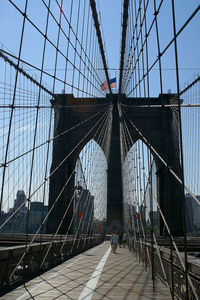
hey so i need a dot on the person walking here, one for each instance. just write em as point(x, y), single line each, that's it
point(124, 240)
point(120, 239)
point(114, 242)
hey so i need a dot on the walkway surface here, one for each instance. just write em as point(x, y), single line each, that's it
point(94, 274)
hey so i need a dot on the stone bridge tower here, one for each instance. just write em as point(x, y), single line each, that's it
point(153, 123)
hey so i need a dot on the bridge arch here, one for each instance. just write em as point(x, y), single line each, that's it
point(139, 176)
point(158, 129)
point(91, 174)
point(76, 123)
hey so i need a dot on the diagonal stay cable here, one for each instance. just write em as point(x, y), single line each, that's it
point(162, 160)
point(108, 117)
point(173, 241)
point(169, 44)
point(78, 41)
point(73, 106)
point(154, 236)
point(57, 49)
point(20, 70)
point(51, 173)
point(103, 130)
point(51, 209)
point(49, 212)
point(181, 262)
point(55, 137)
point(48, 74)
point(176, 248)
point(163, 105)
point(69, 154)
point(13, 102)
point(67, 209)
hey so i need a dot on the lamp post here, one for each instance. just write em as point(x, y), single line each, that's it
point(130, 218)
point(77, 199)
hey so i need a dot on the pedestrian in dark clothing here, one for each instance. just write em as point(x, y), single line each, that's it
point(124, 240)
point(120, 239)
point(114, 242)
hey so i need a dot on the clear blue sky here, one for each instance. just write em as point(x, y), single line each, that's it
point(111, 13)
point(188, 43)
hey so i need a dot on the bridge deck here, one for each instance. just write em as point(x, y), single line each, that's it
point(95, 274)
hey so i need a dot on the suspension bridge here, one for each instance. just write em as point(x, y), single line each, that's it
point(84, 155)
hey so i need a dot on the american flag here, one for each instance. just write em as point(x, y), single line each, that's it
point(105, 86)
point(113, 83)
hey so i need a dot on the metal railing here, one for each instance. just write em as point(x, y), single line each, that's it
point(36, 261)
point(167, 267)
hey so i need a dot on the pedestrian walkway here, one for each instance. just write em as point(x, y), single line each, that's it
point(95, 274)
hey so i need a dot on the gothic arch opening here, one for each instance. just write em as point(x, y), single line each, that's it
point(139, 189)
point(91, 183)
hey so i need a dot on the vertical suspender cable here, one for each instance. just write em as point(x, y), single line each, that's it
point(181, 152)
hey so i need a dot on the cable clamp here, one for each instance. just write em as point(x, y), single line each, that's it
point(3, 165)
point(156, 13)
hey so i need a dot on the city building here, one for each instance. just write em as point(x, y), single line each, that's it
point(37, 213)
point(18, 223)
point(192, 214)
point(20, 200)
point(83, 211)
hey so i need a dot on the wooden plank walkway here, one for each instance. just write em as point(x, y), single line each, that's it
point(94, 274)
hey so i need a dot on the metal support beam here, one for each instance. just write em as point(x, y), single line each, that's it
point(96, 24)
point(123, 42)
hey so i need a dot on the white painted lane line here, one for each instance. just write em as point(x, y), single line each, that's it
point(88, 291)
point(54, 275)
